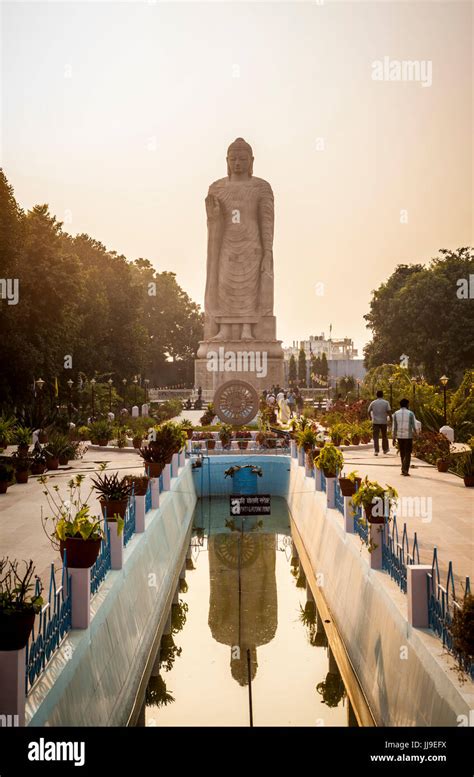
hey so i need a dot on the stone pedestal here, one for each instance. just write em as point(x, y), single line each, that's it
point(258, 361)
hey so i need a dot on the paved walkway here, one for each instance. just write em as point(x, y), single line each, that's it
point(21, 531)
point(448, 523)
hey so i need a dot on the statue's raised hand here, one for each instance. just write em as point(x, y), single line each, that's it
point(213, 208)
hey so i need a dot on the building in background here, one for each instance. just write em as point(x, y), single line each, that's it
point(340, 353)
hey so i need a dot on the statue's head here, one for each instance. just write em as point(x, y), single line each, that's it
point(240, 158)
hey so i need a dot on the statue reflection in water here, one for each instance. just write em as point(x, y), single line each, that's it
point(243, 596)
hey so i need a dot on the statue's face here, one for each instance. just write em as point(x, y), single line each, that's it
point(239, 161)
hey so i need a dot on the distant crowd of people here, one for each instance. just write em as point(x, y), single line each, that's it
point(283, 403)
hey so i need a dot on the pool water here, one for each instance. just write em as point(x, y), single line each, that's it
point(243, 613)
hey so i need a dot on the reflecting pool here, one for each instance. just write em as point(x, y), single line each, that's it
point(246, 644)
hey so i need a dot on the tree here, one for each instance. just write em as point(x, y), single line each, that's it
point(292, 370)
point(83, 310)
point(302, 367)
point(420, 312)
point(324, 369)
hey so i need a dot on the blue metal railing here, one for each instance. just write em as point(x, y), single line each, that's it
point(442, 604)
point(339, 497)
point(148, 496)
point(54, 624)
point(129, 526)
point(102, 565)
point(396, 556)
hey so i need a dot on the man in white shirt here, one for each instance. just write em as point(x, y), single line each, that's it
point(403, 431)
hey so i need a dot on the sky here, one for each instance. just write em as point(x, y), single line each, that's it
point(119, 115)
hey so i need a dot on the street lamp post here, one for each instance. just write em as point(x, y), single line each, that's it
point(444, 381)
point(93, 397)
point(110, 381)
point(135, 381)
point(40, 384)
point(146, 382)
point(70, 383)
point(390, 380)
point(124, 381)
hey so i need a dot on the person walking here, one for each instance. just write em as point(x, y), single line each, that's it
point(380, 413)
point(404, 427)
point(291, 402)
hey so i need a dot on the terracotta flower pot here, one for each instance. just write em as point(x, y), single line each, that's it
point(112, 507)
point(52, 462)
point(243, 444)
point(15, 628)
point(211, 444)
point(154, 468)
point(328, 473)
point(81, 554)
point(64, 460)
point(442, 465)
point(336, 440)
point(356, 440)
point(137, 442)
point(38, 469)
point(3, 443)
point(271, 442)
point(366, 438)
point(103, 442)
point(469, 481)
point(379, 519)
point(23, 448)
point(141, 489)
point(3, 486)
point(22, 477)
point(347, 487)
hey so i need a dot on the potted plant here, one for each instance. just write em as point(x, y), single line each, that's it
point(6, 476)
point(21, 465)
point(167, 439)
point(139, 484)
point(356, 434)
point(225, 435)
point(7, 431)
point(243, 438)
point(442, 464)
point(57, 445)
point(336, 431)
point(38, 463)
point(101, 432)
point(153, 461)
point(378, 502)
point(20, 601)
point(271, 440)
point(307, 439)
point(330, 460)
point(114, 493)
point(187, 427)
point(84, 433)
point(366, 431)
point(349, 483)
point(23, 438)
point(75, 531)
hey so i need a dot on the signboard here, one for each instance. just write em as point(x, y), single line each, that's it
point(250, 504)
